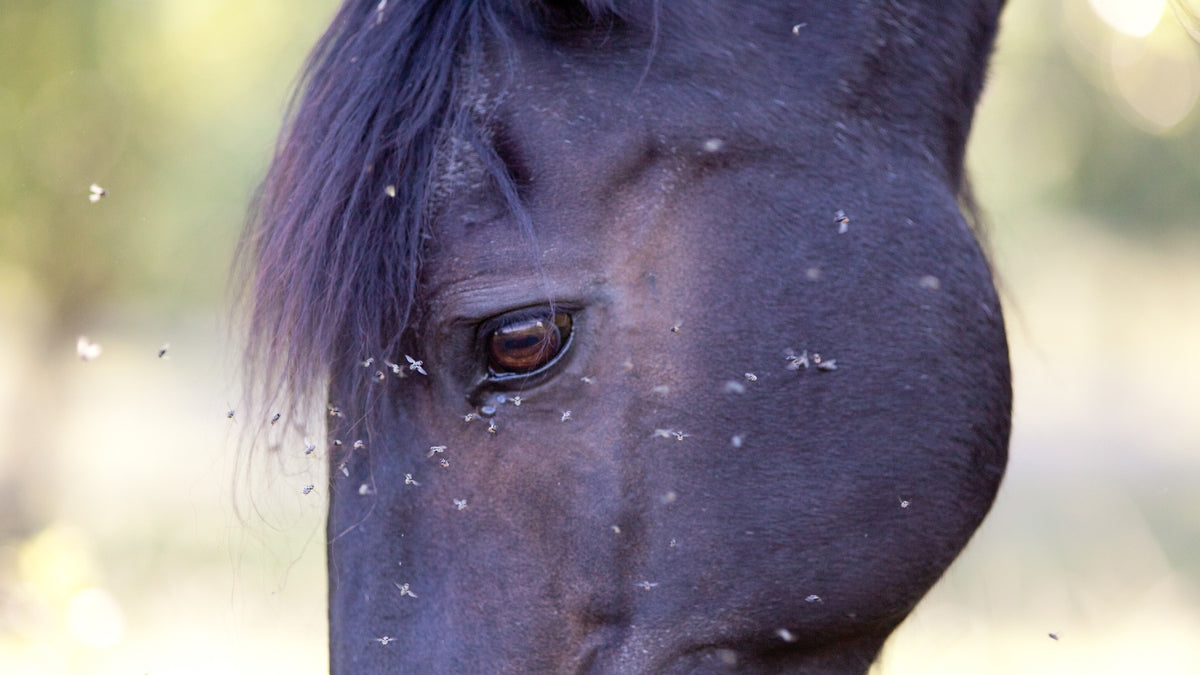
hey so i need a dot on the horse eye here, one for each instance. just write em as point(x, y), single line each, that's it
point(528, 344)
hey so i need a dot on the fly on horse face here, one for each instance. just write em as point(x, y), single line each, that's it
point(653, 334)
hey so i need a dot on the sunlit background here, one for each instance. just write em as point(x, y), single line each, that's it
point(131, 542)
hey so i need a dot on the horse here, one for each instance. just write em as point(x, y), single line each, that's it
point(649, 336)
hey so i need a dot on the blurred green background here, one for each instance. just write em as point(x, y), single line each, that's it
point(133, 539)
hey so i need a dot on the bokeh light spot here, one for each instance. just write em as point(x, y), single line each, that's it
point(1136, 18)
point(95, 618)
point(1158, 86)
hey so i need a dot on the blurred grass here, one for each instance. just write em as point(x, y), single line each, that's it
point(127, 544)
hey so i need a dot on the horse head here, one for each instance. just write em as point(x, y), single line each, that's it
point(653, 334)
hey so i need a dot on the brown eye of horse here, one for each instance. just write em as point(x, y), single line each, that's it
point(526, 345)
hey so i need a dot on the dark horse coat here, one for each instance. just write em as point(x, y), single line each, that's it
point(652, 333)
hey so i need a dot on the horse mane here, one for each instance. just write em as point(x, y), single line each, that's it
point(329, 260)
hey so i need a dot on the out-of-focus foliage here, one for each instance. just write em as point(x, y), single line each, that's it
point(118, 548)
point(1096, 112)
point(171, 106)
